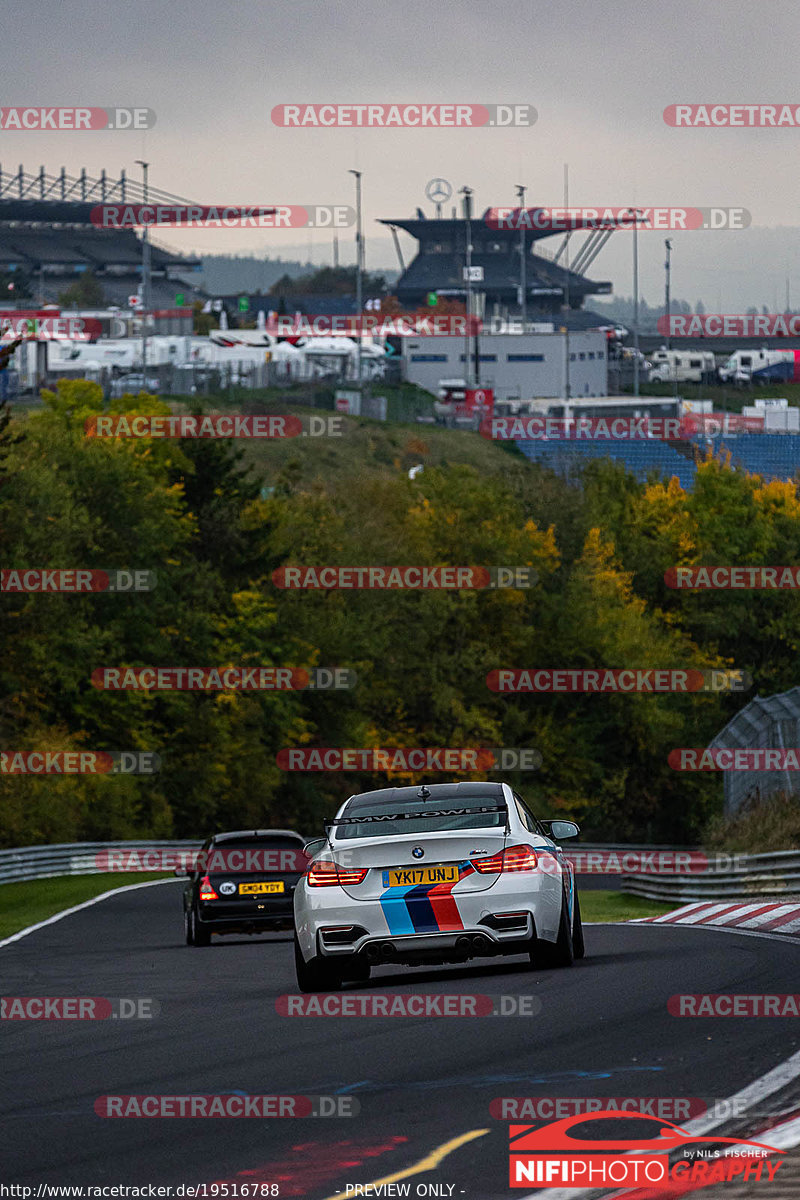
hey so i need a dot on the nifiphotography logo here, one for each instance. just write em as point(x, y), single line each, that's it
point(584, 1151)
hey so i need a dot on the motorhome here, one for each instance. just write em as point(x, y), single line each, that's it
point(683, 366)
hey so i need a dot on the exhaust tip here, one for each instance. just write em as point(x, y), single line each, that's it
point(480, 941)
point(388, 950)
point(464, 945)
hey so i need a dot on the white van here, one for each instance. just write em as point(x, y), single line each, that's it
point(761, 366)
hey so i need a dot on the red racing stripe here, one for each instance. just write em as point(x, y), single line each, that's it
point(445, 909)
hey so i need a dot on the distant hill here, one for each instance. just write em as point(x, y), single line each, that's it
point(224, 274)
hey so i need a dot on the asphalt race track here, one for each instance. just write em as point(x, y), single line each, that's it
point(424, 1082)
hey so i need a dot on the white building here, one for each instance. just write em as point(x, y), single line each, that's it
point(517, 366)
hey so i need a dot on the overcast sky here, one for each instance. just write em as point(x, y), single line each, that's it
point(598, 74)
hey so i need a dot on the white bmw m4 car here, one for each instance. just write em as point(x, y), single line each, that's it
point(434, 874)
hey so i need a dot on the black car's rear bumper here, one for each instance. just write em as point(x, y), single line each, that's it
point(246, 917)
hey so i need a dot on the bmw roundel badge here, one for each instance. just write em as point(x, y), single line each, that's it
point(418, 852)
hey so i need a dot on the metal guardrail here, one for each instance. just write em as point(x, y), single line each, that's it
point(773, 874)
point(80, 858)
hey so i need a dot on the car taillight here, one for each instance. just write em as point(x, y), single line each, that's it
point(328, 874)
point(206, 890)
point(514, 858)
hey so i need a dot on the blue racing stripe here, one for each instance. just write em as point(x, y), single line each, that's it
point(395, 911)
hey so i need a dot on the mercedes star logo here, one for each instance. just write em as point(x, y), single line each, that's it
point(438, 191)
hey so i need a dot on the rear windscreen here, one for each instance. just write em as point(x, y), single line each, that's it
point(255, 856)
point(386, 818)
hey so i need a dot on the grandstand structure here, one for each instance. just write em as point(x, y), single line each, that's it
point(46, 236)
point(639, 457)
point(550, 287)
point(773, 456)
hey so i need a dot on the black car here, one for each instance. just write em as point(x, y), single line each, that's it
point(243, 882)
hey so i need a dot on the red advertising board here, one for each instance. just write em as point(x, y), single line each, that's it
point(479, 400)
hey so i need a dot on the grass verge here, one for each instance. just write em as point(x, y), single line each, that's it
point(616, 906)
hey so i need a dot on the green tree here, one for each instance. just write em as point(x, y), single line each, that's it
point(73, 500)
point(328, 281)
point(84, 292)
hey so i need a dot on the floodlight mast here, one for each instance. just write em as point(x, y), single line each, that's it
point(145, 276)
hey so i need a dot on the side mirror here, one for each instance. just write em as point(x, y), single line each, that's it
point(179, 872)
point(314, 846)
point(558, 830)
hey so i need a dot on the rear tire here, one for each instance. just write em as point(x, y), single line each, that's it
point(317, 975)
point(560, 953)
point(578, 946)
point(187, 928)
point(200, 936)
